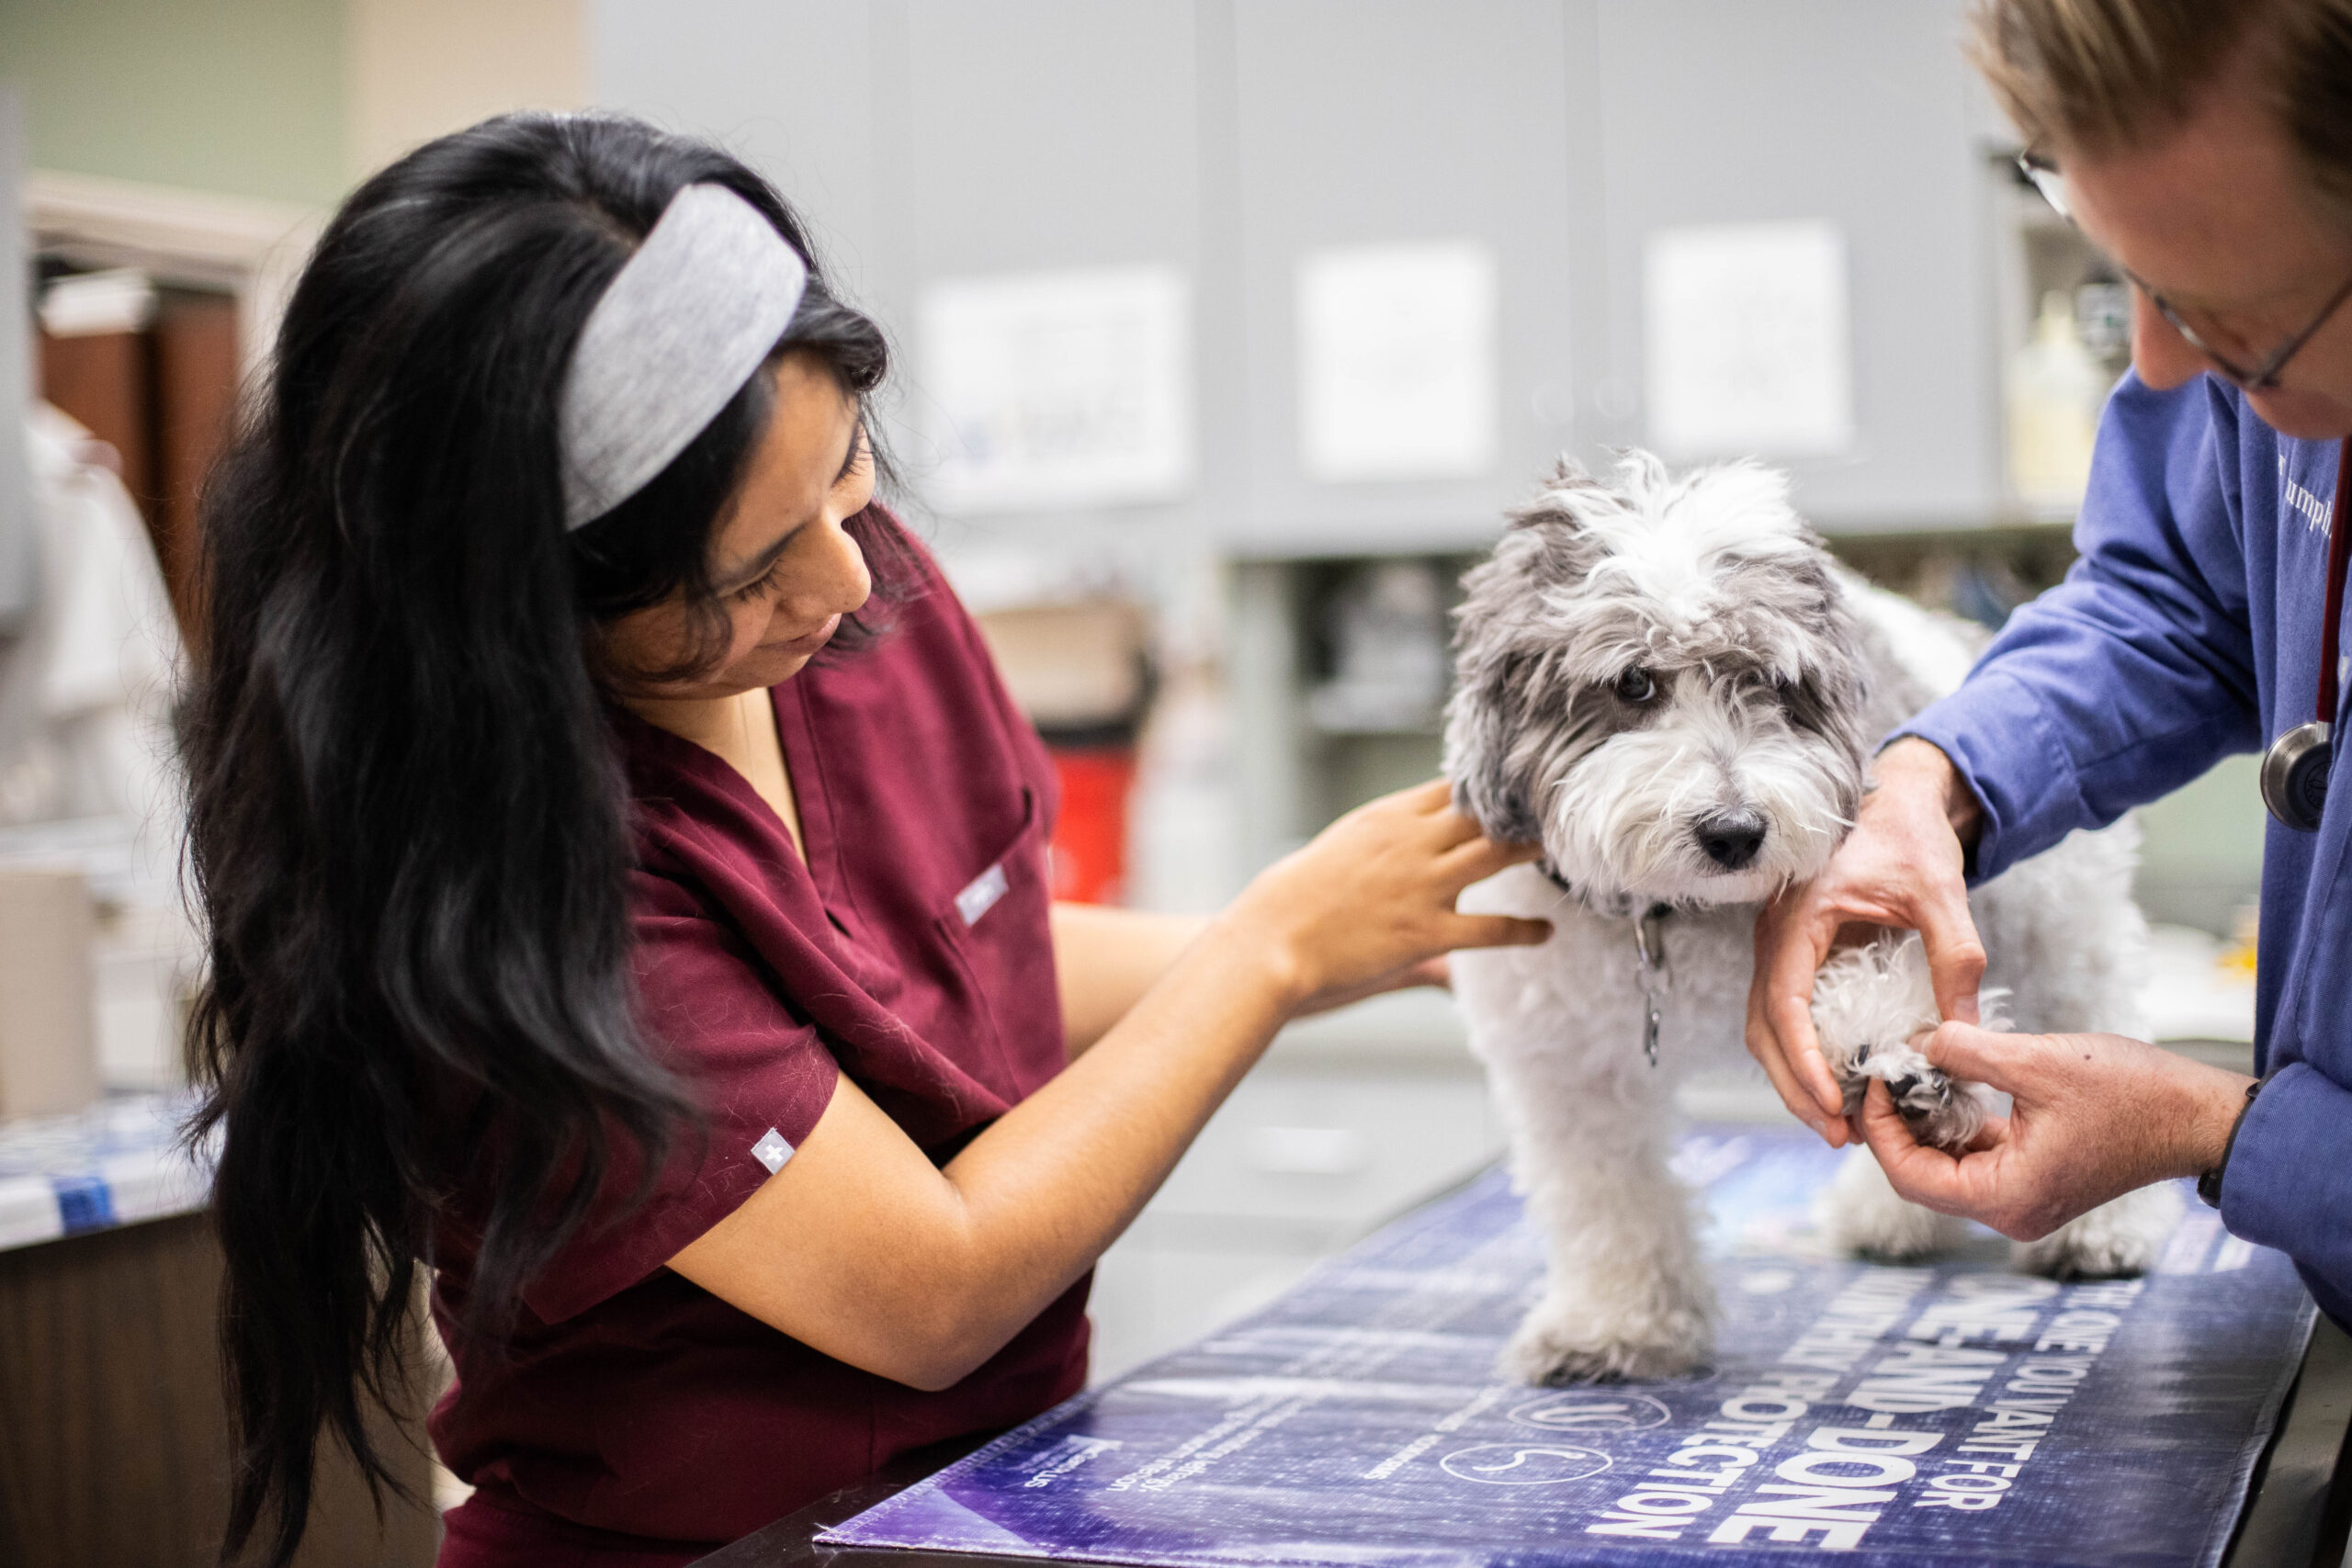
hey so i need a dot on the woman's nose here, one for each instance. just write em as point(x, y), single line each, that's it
point(842, 582)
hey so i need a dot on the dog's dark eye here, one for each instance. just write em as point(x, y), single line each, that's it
point(1635, 686)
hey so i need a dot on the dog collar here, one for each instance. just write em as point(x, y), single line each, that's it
point(1656, 912)
point(1649, 955)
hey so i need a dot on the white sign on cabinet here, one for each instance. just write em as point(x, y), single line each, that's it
point(1747, 341)
point(1058, 388)
point(1397, 361)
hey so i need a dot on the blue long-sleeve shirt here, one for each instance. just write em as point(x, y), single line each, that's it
point(2191, 628)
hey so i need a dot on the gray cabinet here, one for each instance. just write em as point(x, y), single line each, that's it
point(789, 84)
point(1365, 121)
point(933, 139)
point(1855, 111)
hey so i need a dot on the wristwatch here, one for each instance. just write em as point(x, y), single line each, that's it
point(2209, 1186)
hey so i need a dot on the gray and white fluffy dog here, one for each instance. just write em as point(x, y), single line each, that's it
point(1669, 681)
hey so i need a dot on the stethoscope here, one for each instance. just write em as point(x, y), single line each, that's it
point(2294, 770)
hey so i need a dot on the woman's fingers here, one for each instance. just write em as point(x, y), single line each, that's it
point(1428, 971)
point(1434, 801)
point(1496, 931)
point(1435, 972)
point(1478, 857)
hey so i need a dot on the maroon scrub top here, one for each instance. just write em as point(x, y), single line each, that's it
point(634, 1417)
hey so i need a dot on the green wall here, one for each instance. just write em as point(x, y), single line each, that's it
point(2202, 856)
point(242, 97)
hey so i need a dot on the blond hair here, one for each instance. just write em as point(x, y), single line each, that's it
point(2105, 73)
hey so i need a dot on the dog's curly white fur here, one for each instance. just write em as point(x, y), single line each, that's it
point(1669, 681)
point(1870, 1004)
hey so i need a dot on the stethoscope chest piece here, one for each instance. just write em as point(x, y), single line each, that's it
point(2294, 775)
point(2294, 770)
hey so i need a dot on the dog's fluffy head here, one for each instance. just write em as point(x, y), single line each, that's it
point(1658, 677)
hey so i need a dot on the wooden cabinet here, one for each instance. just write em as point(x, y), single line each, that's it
point(113, 1430)
point(163, 398)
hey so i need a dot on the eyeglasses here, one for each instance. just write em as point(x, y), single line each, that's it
point(2043, 174)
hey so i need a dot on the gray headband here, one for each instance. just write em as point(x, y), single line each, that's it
point(678, 331)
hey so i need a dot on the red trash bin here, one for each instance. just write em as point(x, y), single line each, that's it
point(1090, 843)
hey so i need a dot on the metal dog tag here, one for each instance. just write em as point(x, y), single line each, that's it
point(1649, 957)
point(2294, 775)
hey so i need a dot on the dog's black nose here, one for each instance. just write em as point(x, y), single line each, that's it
point(1732, 840)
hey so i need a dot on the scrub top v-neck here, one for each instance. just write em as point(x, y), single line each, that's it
point(632, 1418)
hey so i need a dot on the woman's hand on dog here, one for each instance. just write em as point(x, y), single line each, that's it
point(2095, 1116)
point(1369, 903)
point(1904, 868)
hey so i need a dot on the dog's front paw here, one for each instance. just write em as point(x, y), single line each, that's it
point(1869, 1003)
point(2120, 1238)
point(1561, 1344)
point(1941, 1112)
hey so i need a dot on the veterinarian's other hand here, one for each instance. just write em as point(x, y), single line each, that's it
point(1364, 907)
point(1901, 867)
point(2095, 1116)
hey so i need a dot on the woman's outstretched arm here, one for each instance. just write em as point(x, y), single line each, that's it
point(1105, 959)
point(863, 1249)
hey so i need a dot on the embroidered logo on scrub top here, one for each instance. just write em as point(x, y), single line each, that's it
point(2299, 498)
point(981, 898)
point(772, 1151)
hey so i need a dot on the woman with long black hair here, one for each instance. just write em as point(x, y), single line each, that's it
point(625, 883)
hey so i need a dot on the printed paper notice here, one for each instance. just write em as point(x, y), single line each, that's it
point(1048, 391)
point(1397, 361)
point(1747, 341)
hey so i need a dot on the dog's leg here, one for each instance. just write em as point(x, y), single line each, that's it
point(1859, 1213)
point(1626, 1292)
point(2120, 1237)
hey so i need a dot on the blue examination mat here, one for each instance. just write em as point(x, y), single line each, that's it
point(1950, 1415)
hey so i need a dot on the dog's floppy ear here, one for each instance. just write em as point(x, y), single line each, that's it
point(1480, 721)
point(1493, 668)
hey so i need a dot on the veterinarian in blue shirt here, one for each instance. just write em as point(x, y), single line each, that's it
point(2211, 155)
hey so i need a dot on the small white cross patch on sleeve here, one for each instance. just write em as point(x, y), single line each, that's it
point(772, 1151)
point(981, 898)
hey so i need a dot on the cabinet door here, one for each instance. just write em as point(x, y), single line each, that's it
point(1034, 136)
point(1045, 133)
point(1369, 121)
point(1855, 111)
point(786, 84)
point(929, 139)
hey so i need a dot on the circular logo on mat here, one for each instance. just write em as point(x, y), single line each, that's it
point(1522, 1465)
point(1596, 1412)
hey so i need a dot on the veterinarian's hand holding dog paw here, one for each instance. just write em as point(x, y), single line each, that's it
point(2095, 1116)
point(1902, 867)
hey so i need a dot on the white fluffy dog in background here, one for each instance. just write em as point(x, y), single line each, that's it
point(1669, 681)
